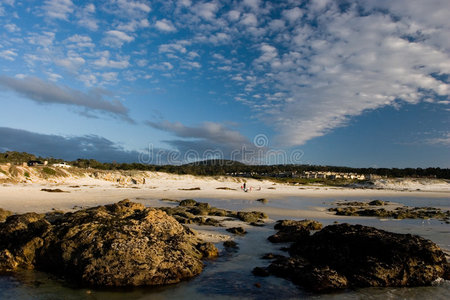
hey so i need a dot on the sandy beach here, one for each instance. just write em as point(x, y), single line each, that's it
point(87, 192)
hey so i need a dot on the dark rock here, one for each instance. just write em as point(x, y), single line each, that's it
point(122, 244)
point(251, 217)
point(54, 191)
point(341, 256)
point(351, 203)
point(377, 203)
point(398, 213)
point(262, 272)
point(188, 202)
point(213, 211)
point(272, 256)
point(262, 200)
point(291, 231)
point(206, 221)
point(258, 224)
point(230, 244)
point(237, 230)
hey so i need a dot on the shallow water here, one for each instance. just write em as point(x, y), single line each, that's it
point(229, 276)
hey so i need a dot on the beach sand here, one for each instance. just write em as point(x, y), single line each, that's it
point(87, 192)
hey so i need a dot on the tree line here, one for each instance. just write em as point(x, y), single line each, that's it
point(227, 167)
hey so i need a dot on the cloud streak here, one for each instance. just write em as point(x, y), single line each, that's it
point(45, 92)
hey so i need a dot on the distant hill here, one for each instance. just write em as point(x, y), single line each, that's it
point(216, 162)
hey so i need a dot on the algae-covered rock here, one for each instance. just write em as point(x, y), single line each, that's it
point(251, 216)
point(4, 214)
point(342, 256)
point(237, 230)
point(122, 244)
point(291, 231)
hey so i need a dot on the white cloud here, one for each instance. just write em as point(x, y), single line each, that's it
point(165, 25)
point(349, 64)
point(116, 38)
point(142, 62)
point(8, 55)
point(53, 76)
point(72, 62)
point(133, 25)
point(86, 17)
point(80, 41)
point(206, 10)
point(12, 27)
point(110, 76)
point(253, 4)
point(58, 9)
point(178, 46)
point(45, 39)
point(105, 62)
point(193, 64)
point(293, 14)
point(442, 140)
point(249, 20)
point(167, 65)
point(129, 8)
point(233, 15)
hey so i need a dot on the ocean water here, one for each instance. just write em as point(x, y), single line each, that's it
point(229, 276)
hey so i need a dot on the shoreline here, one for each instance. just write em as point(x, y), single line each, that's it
point(88, 192)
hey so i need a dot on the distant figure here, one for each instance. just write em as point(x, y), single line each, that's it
point(245, 186)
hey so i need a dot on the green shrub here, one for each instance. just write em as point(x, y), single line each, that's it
point(26, 174)
point(49, 171)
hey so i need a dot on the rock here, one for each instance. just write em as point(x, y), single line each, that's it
point(262, 200)
point(403, 212)
point(237, 230)
point(291, 231)
point(252, 216)
point(303, 224)
point(230, 244)
point(262, 272)
point(188, 202)
point(54, 191)
point(341, 256)
point(208, 250)
point(4, 214)
point(122, 244)
point(272, 256)
point(377, 203)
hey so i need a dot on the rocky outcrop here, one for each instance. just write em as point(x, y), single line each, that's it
point(122, 244)
point(4, 214)
point(343, 256)
point(290, 231)
point(237, 230)
point(189, 211)
point(401, 212)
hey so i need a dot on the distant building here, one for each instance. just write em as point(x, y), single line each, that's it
point(62, 165)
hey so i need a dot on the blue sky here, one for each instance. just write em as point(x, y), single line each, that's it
point(356, 83)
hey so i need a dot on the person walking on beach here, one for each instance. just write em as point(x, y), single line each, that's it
point(245, 186)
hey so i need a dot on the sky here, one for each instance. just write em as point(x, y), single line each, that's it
point(351, 83)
